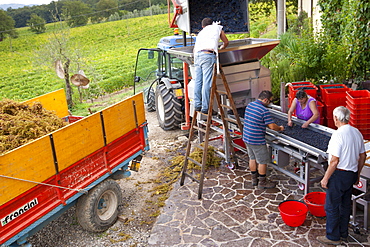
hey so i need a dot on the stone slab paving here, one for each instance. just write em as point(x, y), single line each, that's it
point(234, 213)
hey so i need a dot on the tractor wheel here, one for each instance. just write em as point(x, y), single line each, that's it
point(98, 210)
point(149, 99)
point(169, 112)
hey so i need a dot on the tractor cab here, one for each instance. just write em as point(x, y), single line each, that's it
point(161, 76)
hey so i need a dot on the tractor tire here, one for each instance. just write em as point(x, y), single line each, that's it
point(149, 99)
point(169, 113)
point(98, 210)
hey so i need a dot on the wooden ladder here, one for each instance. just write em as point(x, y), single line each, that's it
point(204, 129)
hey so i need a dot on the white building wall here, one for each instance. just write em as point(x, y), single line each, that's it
point(313, 10)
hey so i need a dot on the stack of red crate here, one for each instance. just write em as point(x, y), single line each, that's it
point(332, 96)
point(310, 89)
point(358, 102)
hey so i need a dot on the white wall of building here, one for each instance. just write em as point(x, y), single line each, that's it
point(313, 10)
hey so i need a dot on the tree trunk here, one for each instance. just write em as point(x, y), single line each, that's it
point(68, 84)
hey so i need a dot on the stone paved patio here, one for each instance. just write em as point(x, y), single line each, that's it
point(234, 213)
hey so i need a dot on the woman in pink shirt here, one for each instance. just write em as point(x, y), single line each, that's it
point(305, 108)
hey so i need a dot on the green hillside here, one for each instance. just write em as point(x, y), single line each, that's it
point(108, 49)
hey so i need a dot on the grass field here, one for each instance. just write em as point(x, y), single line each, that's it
point(108, 51)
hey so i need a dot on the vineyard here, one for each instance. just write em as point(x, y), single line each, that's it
point(108, 51)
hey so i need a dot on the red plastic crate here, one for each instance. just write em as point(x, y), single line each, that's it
point(330, 123)
point(358, 107)
point(322, 121)
point(309, 89)
point(320, 108)
point(358, 97)
point(360, 126)
point(357, 121)
point(334, 94)
point(365, 133)
point(332, 87)
point(328, 110)
point(359, 112)
point(239, 141)
point(360, 117)
point(302, 83)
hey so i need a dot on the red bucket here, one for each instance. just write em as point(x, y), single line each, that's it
point(315, 202)
point(293, 212)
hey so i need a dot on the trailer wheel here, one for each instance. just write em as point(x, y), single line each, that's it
point(149, 99)
point(98, 210)
point(169, 112)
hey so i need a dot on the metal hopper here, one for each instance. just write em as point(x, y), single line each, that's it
point(238, 51)
point(240, 61)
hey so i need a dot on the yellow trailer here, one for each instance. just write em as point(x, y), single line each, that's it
point(75, 164)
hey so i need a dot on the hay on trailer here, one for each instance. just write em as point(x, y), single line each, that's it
point(21, 123)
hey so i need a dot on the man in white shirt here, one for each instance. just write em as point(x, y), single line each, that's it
point(346, 159)
point(205, 56)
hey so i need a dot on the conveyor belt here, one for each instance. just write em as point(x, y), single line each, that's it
point(313, 140)
point(310, 137)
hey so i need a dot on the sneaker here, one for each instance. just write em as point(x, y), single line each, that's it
point(325, 240)
point(254, 179)
point(345, 240)
point(264, 183)
point(214, 113)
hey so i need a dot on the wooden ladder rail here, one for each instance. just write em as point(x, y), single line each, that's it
point(215, 93)
point(226, 119)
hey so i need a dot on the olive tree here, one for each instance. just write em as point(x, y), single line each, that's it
point(76, 13)
point(6, 25)
point(36, 24)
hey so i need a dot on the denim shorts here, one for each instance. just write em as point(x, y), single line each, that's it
point(259, 153)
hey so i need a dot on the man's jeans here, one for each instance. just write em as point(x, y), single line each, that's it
point(338, 204)
point(203, 79)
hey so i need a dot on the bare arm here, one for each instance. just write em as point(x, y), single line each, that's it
point(331, 168)
point(275, 127)
point(224, 39)
point(361, 163)
point(290, 112)
point(315, 115)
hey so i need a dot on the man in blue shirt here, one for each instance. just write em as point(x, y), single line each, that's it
point(256, 118)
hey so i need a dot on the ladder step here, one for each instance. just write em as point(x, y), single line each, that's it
point(199, 128)
point(235, 135)
point(198, 146)
point(192, 178)
point(213, 127)
point(194, 161)
point(227, 106)
point(221, 92)
point(231, 120)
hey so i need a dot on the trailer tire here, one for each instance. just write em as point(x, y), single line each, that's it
point(149, 99)
point(169, 113)
point(98, 210)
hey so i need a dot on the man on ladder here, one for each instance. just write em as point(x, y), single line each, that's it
point(205, 56)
